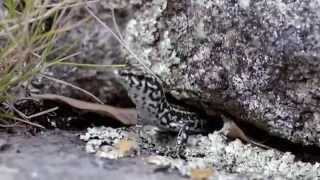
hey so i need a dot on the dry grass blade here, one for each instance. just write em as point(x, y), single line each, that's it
point(24, 118)
point(22, 115)
point(28, 36)
point(42, 13)
point(127, 116)
point(43, 112)
point(5, 116)
point(9, 126)
point(72, 5)
point(123, 44)
point(28, 122)
point(73, 86)
point(116, 24)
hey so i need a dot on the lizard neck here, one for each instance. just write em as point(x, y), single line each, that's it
point(148, 96)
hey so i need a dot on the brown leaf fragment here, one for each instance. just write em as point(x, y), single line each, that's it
point(126, 146)
point(232, 130)
point(127, 116)
point(201, 173)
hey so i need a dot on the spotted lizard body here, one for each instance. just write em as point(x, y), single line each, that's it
point(153, 108)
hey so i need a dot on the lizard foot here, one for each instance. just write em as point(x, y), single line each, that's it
point(176, 151)
point(181, 143)
point(172, 152)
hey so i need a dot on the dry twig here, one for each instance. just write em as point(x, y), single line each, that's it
point(73, 86)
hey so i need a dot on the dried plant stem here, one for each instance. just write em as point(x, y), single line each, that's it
point(21, 114)
point(73, 86)
point(123, 44)
point(21, 120)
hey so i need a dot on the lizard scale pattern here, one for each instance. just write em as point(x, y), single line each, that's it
point(153, 108)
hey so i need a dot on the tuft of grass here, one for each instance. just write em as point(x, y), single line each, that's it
point(27, 41)
point(28, 35)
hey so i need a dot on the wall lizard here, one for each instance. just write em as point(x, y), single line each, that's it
point(153, 108)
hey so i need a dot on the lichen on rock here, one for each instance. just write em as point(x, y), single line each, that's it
point(259, 61)
point(109, 143)
point(213, 152)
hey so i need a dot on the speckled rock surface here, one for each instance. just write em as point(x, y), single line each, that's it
point(60, 155)
point(256, 60)
point(231, 160)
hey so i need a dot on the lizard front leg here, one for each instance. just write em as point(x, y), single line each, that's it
point(182, 137)
point(181, 140)
point(143, 138)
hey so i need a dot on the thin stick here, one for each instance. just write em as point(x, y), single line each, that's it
point(92, 65)
point(22, 120)
point(9, 126)
point(121, 42)
point(24, 116)
point(28, 122)
point(21, 114)
point(64, 58)
point(48, 13)
point(43, 112)
point(27, 99)
point(71, 5)
point(73, 86)
point(116, 24)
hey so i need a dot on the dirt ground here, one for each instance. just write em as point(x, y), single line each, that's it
point(58, 154)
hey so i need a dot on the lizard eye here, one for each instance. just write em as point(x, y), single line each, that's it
point(123, 73)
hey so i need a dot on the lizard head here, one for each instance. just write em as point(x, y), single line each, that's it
point(143, 88)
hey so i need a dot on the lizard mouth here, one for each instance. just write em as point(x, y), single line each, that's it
point(127, 71)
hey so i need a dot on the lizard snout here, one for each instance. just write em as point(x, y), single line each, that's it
point(121, 72)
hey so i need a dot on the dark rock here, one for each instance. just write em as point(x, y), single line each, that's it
point(259, 61)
